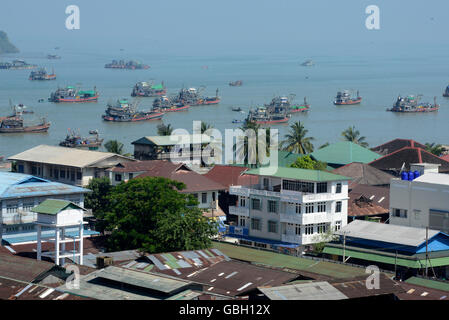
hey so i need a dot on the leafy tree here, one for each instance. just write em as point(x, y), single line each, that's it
point(306, 162)
point(353, 135)
point(251, 150)
point(97, 200)
point(297, 141)
point(205, 126)
point(164, 130)
point(324, 145)
point(115, 146)
point(321, 240)
point(151, 214)
point(436, 149)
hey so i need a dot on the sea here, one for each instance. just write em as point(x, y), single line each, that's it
point(380, 74)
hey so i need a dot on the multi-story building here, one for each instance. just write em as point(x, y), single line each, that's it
point(423, 201)
point(293, 205)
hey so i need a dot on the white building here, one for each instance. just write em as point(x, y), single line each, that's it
point(66, 165)
point(293, 205)
point(422, 202)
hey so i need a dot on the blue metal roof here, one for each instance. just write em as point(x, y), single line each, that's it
point(19, 185)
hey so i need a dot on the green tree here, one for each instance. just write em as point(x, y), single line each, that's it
point(115, 146)
point(151, 214)
point(164, 130)
point(353, 135)
point(205, 126)
point(297, 141)
point(321, 240)
point(436, 149)
point(306, 162)
point(324, 145)
point(97, 200)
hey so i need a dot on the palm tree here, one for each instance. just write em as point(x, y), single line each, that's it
point(436, 149)
point(116, 147)
point(164, 130)
point(324, 145)
point(297, 141)
point(353, 135)
point(205, 126)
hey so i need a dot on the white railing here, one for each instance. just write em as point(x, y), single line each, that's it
point(240, 211)
point(239, 191)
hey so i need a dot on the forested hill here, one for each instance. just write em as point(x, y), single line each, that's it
point(5, 45)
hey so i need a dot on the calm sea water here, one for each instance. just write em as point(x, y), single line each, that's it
point(379, 74)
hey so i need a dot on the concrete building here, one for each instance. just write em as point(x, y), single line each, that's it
point(422, 202)
point(66, 165)
point(20, 193)
point(292, 206)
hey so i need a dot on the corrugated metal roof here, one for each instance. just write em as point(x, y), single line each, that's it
point(18, 185)
point(408, 236)
point(54, 206)
point(305, 291)
point(70, 157)
point(174, 139)
point(300, 174)
point(344, 152)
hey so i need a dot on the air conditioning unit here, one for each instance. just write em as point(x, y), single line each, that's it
point(104, 261)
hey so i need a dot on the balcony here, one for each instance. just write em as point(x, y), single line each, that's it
point(252, 190)
point(306, 218)
point(239, 211)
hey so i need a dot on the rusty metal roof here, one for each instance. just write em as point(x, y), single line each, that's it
point(23, 269)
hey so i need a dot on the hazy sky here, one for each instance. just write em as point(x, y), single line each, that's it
point(225, 26)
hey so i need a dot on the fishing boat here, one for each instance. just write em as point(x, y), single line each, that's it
point(344, 98)
point(148, 89)
point(124, 111)
point(268, 115)
point(53, 57)
point(72, 94)
point(15, 124)
point(308, 63)
point(130, 65)
point(286, 102)
point(237, 83)
point(42, 74)
point(237, 109)
point(238, 121)
point(192, 97)
point(17, 65)
point(74, 140)
point(411, 104)
point(446, 92)
point(166, 104)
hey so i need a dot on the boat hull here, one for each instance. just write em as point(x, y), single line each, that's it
point(30, 129)
point(157, 116)
point(415, 111)
point(349, 102)
point(298, 110)
point(284, 120)
point(183, 108)
point(74, 100)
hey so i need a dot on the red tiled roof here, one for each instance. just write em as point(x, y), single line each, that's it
point(445, 157)
point(363, 173)
point(230, 175)
point(397, 144)
point(408, 155)
point(160, 166)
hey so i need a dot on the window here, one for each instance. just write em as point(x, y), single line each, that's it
point(400, 213)
point(242, 201)
point(204, 197)
point(20, 168)
point(308, 229)
point(130, 175)
point(416, 212)
point(62, 174)
point(337, 225)
point(265, 183)
point(338, 190)
point(11, 208)
point(260, 245)
point(298, 208)
point(321, 206)
point(118, 177)
point(72, 176)
point(27, 206)
point(256, 204)
point(338, 206)
point(195, 195)
point(213, 196)
point(79, 176)
point(321, 187)
point(256, 224)
point(56, 173)
point(298, 186)
point(242, 221)
point(321, 228)
point(245, 242)
point(309, 208)
point(298, 229)
point(272, 226)
point(33, 170)
point(272, 206)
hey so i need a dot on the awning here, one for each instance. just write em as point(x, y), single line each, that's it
point(273, 243)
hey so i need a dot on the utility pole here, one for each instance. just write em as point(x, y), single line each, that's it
point(395, 264)
point(427, 242)
point(344, 247)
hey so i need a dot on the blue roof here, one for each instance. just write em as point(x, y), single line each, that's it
point(31, 236)
point(19, 185)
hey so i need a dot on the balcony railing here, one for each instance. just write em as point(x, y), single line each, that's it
point(240, 211)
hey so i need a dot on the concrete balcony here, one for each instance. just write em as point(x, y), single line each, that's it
point(239, 211)
point(239, 191)
point(291, 218)
point(247, 191)
point(306, 218)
